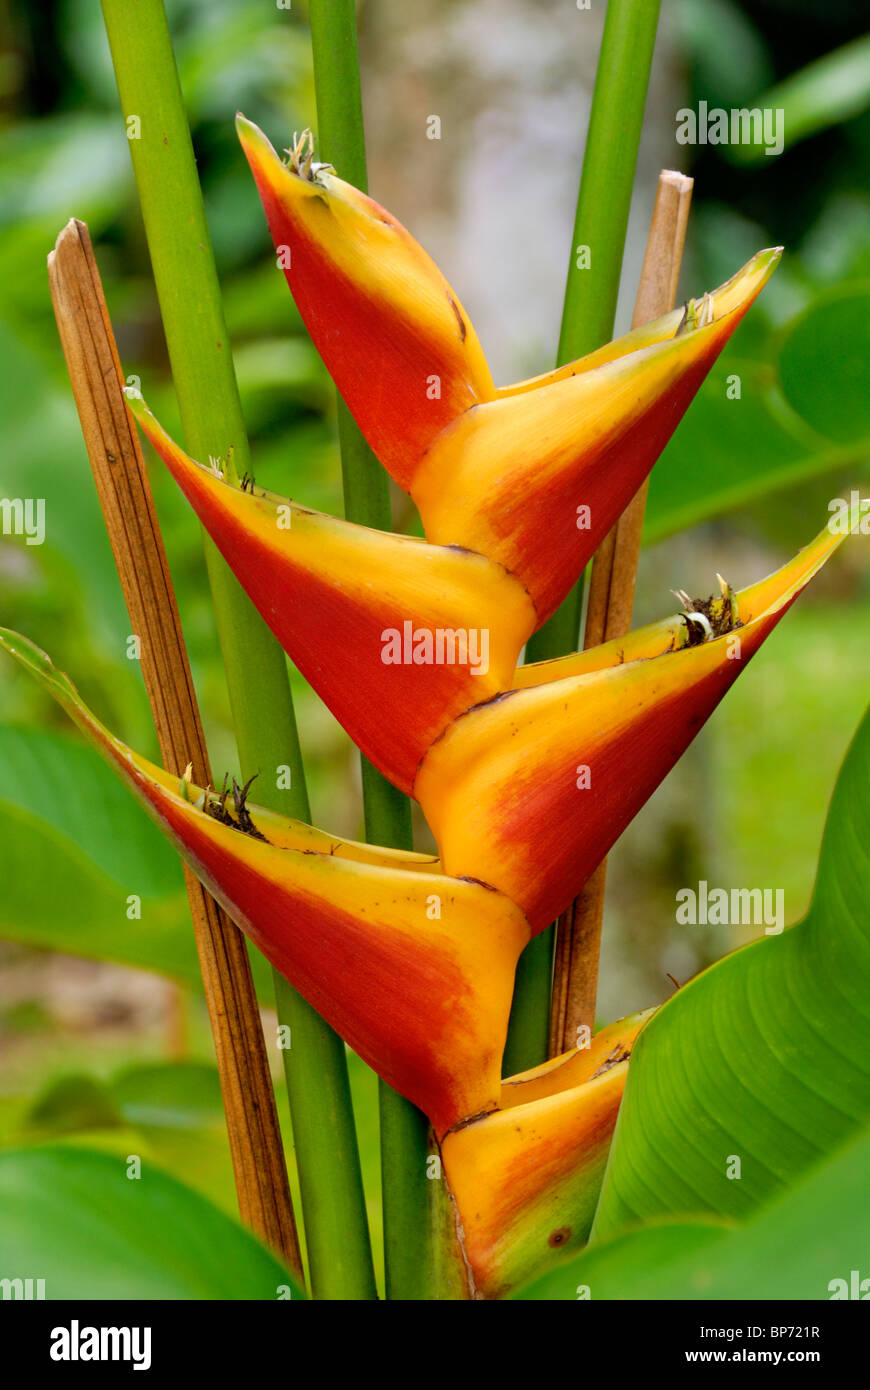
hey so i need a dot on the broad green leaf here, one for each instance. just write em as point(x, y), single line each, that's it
point(75, 1219)
point(640, 1264)
point(59, 778)
point(762, 1059)
point(75, 849)
point(772, 710)
point(795, 1249)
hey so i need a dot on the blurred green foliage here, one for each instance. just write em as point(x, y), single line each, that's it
point(65, 153)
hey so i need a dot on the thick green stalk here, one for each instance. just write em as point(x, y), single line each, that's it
point(601, 220)
point(336, 1229)
point(591, 291)
point(404, 1130)
point(606, 183)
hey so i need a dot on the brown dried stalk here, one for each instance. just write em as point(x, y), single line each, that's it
point(608, 615)
point(131, 521)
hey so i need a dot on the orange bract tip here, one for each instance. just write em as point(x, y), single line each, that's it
point(393, 335)
point(536, 478)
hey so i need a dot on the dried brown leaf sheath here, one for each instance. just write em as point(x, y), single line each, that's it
point(131, 522)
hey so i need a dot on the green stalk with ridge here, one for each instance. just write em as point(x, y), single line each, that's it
point(404, 1130)
point(333, 1208)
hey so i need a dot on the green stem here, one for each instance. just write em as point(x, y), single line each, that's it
point(603, 203)
point(404, 1130)
point(607, 180)
point(529, 1025)
point(336, 1230)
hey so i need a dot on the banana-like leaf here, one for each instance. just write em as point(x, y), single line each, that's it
point(751, 448)
point(77, 1220)
point(759, 1067)
point(805, 1245)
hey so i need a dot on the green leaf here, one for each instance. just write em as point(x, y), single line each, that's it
point(727, 56)
point(74, 1218)
point(765, 1057)
point(170, 1113)
point(641, 1264)
point(825, 365)
point(795, 1249)
point(60, 779)
point(177, 1109)
point(73, 1103)
point(772, 710)
point(74, 847)
point(44, 458)
point(828, 91)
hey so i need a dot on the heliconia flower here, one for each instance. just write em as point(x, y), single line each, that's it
point(359, 277)
point(414, 969)
point(374, 621)
point(531, 475)
point(526, 1179)
point(529, 792)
